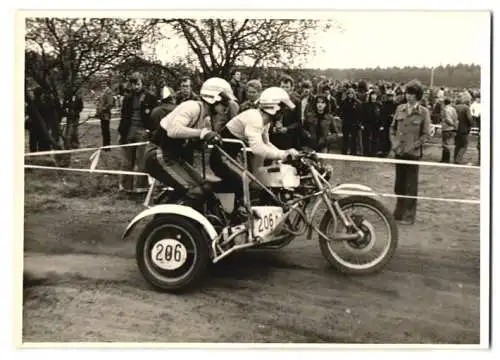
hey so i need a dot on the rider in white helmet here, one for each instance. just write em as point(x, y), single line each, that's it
point(189, 121)
point(252, 127)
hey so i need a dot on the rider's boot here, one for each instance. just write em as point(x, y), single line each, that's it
point(240, 213)
point(196, 196)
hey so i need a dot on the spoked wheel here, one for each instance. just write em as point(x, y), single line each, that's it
point(369, 253)
point(172, 253)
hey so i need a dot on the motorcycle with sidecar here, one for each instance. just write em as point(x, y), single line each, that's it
point(284, 201)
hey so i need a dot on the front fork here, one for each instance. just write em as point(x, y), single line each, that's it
point(336, 212)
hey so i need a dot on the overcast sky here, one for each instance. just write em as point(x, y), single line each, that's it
point(389, 39)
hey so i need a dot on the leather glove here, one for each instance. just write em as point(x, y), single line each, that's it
point(293, 153)
point(210, 137)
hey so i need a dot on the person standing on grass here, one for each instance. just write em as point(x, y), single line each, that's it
point(39, 136)
point(135, 124)
point(475, 109)
point(388, 109)
point(449, 122)
point(370, 122)
point(463, 129)
point(103, 112)
point(72, 108)
point(410, 129)
point(350, 111)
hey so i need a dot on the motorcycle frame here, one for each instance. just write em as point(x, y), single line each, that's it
point(322, 195)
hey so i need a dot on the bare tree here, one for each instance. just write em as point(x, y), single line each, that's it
point(220, 44)
point(64, 53)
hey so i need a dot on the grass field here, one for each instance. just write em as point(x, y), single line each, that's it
point(83, 284)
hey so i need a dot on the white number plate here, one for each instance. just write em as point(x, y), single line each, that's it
point(270, 217)
point(169, 254)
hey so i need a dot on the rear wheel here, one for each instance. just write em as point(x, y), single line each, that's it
point(172, 253)
point(371, 252)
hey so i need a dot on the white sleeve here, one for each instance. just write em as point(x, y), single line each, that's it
point(176, 124)
point(267, 141)
point(254, 130)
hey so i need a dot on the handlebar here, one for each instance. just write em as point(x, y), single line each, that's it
point(303, 155)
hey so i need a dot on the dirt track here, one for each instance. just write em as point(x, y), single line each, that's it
point(429, 293)
point(84, 286)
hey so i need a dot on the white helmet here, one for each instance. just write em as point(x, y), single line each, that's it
point(212, 89)
point(271, 99)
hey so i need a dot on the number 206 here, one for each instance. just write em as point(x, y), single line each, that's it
point(268, 222)
point(170, 252)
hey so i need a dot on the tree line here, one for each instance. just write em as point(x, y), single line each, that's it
point(64, 56)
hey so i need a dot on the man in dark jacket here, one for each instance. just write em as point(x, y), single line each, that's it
point(464, 125)
point(104, 105)
point(370, 123)
point(72, 107)
point(349, 111)
point(39, 136)
point(237, 86)
point(134, 125)
point(285, 133)
point(186, 91)
point(388, 109)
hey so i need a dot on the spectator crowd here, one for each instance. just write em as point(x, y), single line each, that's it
point(350, 117)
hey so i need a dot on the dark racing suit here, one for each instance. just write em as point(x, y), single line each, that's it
point(168, 162)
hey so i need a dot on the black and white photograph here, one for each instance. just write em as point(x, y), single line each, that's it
point(255, 177)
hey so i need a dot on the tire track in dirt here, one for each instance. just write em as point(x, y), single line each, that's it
point(272, 295)
point(87, 287)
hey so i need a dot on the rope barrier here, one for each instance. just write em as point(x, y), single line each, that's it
point(94, 159)
point(57, 152)
point(345, 192)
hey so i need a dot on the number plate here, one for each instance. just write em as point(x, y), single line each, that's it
point(270, 216)
point(169, 254)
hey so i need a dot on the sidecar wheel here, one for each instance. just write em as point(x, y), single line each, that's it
point(172, 253)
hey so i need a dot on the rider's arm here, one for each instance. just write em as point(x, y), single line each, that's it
point(178, 123)
point(254, 132)
point(266, 140)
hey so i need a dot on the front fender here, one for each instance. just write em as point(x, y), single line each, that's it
point(345, 190)
point(175, 209)
point(354, 189)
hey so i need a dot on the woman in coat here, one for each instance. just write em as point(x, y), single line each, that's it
point(320, 130)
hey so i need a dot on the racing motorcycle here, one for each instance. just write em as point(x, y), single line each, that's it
point(284, 201)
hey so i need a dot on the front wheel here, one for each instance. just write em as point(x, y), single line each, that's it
point(371, 252)
point(172, 253)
